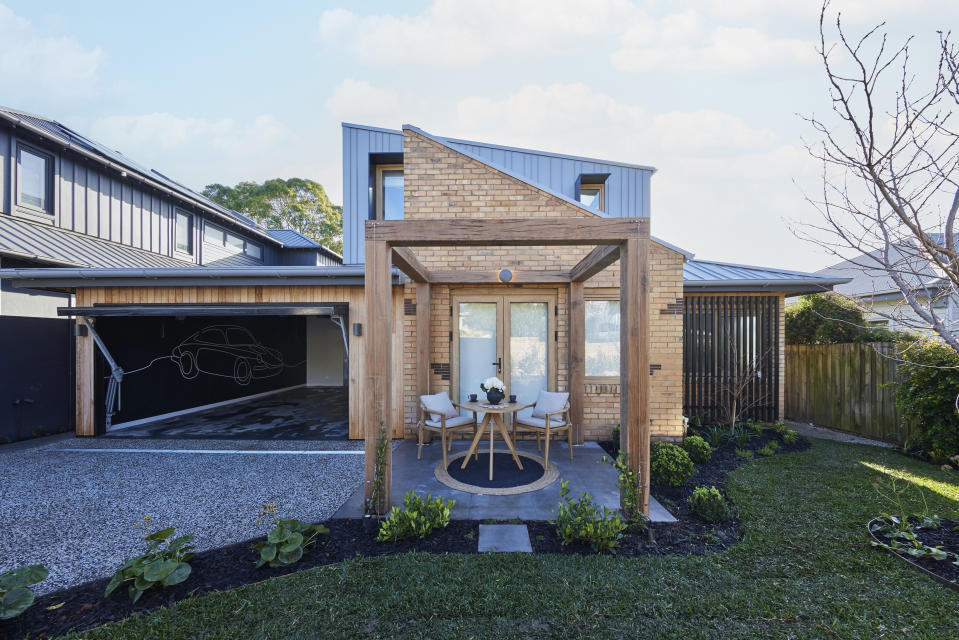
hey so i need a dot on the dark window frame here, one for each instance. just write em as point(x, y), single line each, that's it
point(49, 210)
point(244, 249)
point(191, 251)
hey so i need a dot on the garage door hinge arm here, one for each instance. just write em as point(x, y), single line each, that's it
point(116, 375)
point(346, 343)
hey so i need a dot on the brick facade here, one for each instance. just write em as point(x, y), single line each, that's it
point(441, 182)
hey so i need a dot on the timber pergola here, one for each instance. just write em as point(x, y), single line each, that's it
point(390, 243)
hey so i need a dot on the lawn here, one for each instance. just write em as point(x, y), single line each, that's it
point(803, 569)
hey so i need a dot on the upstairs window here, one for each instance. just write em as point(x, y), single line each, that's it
point(184, 232)
point(592, 196)
point(389, 192)
point(35, 178)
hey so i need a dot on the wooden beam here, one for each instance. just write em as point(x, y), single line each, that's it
point(493, 277)
point(377, 393)
point(509, 232)
point(85, 407)
point(634, 360)
point(577, 358)
point(405, 260)
point(594, 262)
point(423, 334)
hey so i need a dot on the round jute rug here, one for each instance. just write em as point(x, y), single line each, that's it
point(508, 479)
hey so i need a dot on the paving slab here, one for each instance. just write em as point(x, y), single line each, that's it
point(504, 538)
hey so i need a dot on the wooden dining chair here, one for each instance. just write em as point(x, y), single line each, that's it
point(550, 416)
point(439, 413)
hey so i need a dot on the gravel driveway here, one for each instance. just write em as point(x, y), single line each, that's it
point(75, 511)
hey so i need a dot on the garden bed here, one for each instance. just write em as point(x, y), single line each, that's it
point(84, 606)
point(945, 537)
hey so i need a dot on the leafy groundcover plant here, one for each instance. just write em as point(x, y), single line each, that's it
point(165, 566)
point(418, 517)
point(15, 594)
point(287, 539)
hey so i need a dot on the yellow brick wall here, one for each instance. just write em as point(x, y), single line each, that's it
point(439, 183)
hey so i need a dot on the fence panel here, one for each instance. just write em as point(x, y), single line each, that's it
point(844, 386)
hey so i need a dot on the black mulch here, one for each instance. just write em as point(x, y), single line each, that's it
point(505, 471)
point(946, 536)
point(84, 607)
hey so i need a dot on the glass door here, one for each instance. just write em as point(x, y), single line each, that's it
point(510, 337)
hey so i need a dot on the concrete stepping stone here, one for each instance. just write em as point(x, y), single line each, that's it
point(504, 538)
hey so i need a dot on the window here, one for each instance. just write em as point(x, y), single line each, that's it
point(213, 234)
point(35, 173)
point(389, 192)
point(234, 241)
point(184, 232)
point(254, 251)
point(602, 338)
point(593, 196)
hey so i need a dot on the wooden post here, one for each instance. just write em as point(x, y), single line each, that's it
point(634, 359)
point(423, 333)
point(577, 358)
point(379, 371)
point(85, 409)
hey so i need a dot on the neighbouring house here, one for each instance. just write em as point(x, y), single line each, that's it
point(461, 260)
point(885, 306)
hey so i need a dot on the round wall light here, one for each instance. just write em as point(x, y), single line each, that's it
point(505, 275)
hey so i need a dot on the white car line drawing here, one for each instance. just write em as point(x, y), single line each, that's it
point(228, 351)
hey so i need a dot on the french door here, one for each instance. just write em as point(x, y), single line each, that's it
point(511, 337)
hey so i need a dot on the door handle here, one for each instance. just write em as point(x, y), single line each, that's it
point(499, 365)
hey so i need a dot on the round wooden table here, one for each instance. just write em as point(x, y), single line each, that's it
point(494, 418)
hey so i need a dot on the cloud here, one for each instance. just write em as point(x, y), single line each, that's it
point(359, 101)
point(35, 63)
point(456, 33)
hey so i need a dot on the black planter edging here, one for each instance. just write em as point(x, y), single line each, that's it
point(83, 607)
point(952, 584)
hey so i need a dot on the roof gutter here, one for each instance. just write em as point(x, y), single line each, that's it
point(17, 122)
point(786, 285)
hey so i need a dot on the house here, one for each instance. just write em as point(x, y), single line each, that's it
point(885, 306)
point(461, 260)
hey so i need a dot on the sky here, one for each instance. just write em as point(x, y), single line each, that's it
point(710, 93)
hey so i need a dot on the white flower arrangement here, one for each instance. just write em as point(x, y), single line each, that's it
point(493, 383)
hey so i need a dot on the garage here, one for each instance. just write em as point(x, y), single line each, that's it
point(217, 371)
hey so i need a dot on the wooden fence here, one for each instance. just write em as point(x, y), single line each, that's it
point(844, 386)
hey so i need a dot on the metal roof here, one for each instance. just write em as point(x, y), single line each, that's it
point(49, 244)
point(725, 276)
point(293, 238)
point(66, 136)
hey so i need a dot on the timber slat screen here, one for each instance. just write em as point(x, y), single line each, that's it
point(844, 386)
point(724, 337)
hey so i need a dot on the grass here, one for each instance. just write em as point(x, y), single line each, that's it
point(803, 570)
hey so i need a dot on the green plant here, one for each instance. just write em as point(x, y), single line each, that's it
point(373, 505)
point(287, 539)
point(581, 521)
point(745, 454)
point(766, 451)
point(756, 427)
point(709, 504)
point(780, 428)
point(716, 436)
point(38, 432)
point(698, 449)
point(166, 567)
point(628, 482)
point(773, 444)
point(15, 593)
point(926, 382)
point(828, 318)
point(790, 437)
point(418, 517)
point(615, 435)
point(670, 465)
point(742, 435)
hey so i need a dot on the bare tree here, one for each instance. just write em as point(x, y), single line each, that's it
point(889, 151)
point(740, 390)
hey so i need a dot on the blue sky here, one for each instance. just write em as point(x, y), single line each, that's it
point(708, 92)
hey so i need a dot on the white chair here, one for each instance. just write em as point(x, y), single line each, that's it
point(439, 413)
point(550, 415)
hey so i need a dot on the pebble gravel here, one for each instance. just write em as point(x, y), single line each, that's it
point(76, 512)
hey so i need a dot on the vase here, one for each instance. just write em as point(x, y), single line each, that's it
point(494, 397)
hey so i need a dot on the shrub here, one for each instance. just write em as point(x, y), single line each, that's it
point(670, 465)
point(828, 318)
point(928, 378)
point(581, 521)
point(15, 594)
point(790, 437)
point(418, 517)
point(745, 454)
point(709, 504)
point(698, 449)
point(628, 482)
point(767, 450)
point(287, 539)
point(165, 567)
point(780, 428)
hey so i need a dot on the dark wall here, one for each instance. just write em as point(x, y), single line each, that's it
point(168, 367)
point(36, 377)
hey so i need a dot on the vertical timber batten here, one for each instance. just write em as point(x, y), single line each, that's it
point(376, 395)
point(85, 407)
point(577, 358)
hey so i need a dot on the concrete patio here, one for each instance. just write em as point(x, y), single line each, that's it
point(585, 473)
